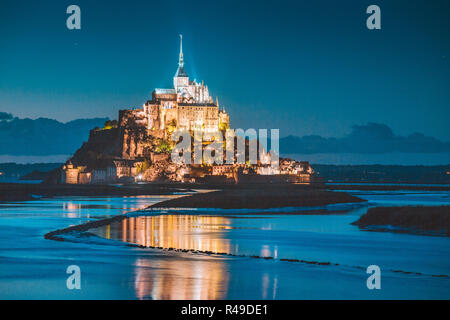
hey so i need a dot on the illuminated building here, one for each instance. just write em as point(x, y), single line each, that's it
point(186, 106)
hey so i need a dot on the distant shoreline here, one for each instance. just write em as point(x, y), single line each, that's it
point(332, 174)
point(31, 191)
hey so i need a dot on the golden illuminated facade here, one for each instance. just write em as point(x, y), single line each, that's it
point(187, 106)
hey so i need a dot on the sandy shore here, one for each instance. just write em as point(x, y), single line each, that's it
point(262, 198)
point(416, 220)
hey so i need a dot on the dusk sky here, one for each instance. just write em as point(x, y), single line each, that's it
point(306, 67)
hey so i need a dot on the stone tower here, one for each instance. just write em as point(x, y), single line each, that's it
point(181, 79)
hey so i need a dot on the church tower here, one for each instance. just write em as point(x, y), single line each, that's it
point(181, 79)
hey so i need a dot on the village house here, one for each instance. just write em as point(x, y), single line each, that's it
point(223, 170)
point(109, 172)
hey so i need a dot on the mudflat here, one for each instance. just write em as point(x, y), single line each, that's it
point(260, 198)
point(427, 220)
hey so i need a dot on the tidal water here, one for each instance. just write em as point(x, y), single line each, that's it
point(31, 267)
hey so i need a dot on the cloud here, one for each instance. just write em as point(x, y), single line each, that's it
point(364, 139)
point(28, 137)
point(5, 116)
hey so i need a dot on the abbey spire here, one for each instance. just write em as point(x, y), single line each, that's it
point(180, 61)
point(189, 91)
point(180, 71)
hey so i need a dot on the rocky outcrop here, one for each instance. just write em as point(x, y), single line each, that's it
point(127, 139)
point(102, 145)
point(165, 170)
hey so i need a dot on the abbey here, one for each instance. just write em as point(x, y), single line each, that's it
point(186, 106)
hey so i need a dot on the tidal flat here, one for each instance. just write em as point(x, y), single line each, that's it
point(261, 198)
point(427, 220)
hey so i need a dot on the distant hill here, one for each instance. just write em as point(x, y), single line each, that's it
point(42, 136)
point(371, 138)
point(19, 170)
point(35, 175)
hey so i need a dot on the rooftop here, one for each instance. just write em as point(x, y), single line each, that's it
point(165, 91)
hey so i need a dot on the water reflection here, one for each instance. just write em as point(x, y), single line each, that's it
point(71, 210)
point(188, 232)
point(87, 207)
point(197, 279)
point(192, 278)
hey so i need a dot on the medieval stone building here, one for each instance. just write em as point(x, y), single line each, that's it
point(186, 106)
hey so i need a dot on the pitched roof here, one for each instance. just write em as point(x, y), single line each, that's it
point(181, 72)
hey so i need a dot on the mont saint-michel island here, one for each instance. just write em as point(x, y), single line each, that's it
point(137, 147)
point(224, 150)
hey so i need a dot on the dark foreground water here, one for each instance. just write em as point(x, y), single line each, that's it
point(34, 268)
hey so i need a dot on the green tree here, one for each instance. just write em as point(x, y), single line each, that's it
point(109, 124)
point(163, 146)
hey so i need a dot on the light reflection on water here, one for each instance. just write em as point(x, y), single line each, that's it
point(192, 279)
point(195, 278)
point(189, 232)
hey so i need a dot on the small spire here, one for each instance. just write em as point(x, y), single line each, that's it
point(180, 61)
point(180, 71)
point(217, 101)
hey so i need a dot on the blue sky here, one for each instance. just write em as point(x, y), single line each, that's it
point(306, 67)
